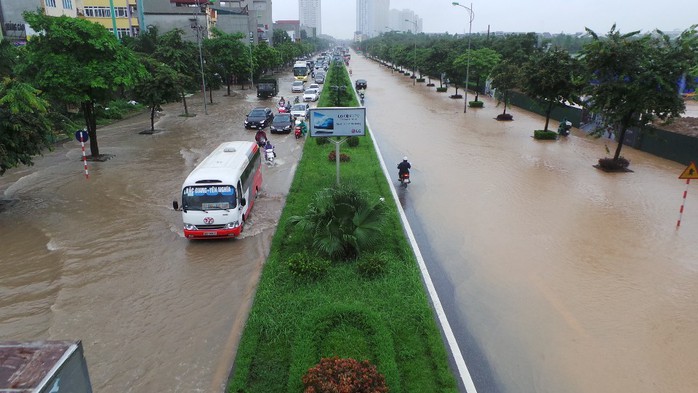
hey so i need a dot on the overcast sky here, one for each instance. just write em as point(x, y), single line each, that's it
point(553, 16)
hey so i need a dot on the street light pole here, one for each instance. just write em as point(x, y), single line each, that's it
point(201, 55)
point(251, 61)
point(414, 63)
point(467, 68)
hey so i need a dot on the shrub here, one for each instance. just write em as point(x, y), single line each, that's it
point(302, 265)
point(543, 134)
point(322, 141)
point(342, 221)
point(353, 141)
point(332, 157)
point(441, 89)
point(430, 84)
point(456, 96)
point(610, 164)
point(373, 265)
point(420, 80)
point(337, 375)
point(505, 116)
point(476, 104)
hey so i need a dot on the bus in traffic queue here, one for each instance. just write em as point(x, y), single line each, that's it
point(219, 193)
point(301, 71)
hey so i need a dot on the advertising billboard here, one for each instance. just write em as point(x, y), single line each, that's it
point(337, 122)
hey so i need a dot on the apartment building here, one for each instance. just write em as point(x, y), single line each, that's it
point(310, 12)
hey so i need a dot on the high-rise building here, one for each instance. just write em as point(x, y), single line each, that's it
point(310, 15)
point(371, 17)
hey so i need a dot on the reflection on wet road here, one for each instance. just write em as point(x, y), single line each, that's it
point(556, 277)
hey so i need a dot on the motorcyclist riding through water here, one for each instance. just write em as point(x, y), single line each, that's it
point(404, 170)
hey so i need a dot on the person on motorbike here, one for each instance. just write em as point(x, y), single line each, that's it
point(403, 168)
point(268, 146)
point(261, 138)
point(282, 102)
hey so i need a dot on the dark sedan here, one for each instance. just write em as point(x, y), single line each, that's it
point(282, 123)
point(259, 118)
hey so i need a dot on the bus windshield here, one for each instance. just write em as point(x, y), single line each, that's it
point(219, 197)
point(300, 71)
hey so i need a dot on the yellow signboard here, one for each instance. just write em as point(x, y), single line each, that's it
point(690, 172)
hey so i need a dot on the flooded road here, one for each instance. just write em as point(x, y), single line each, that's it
point(555, 276)
point(104, 260)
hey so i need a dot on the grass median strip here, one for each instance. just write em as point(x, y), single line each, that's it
point(349, 308)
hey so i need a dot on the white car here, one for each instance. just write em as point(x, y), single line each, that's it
point(300, 110)
point(297, 87)
point(311, 95)
point(314, 86)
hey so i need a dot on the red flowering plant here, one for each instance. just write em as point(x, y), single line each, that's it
point(337, 375)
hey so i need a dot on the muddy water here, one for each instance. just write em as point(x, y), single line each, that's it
point(557, 277)
point(104, 261)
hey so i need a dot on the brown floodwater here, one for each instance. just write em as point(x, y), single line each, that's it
point(556, 276)
point(104, 260)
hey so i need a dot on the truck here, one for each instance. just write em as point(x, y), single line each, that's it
point(43, 367)
point(267, 87)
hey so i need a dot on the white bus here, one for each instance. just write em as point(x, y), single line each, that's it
point(301, 71)
point(219, 193)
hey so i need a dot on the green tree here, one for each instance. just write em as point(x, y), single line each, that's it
point(228, 56)
point(633, 78)
point(76, 61)
point(482, 62)
point(552, 78)
point(157, 86)
point(25, 128)
point(505, 77)
point(182, 56)
point(267, 58)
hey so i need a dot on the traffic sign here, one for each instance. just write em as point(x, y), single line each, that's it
point(690, 172)
point(81, 136)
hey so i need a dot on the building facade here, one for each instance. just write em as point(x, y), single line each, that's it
point(310, 13)
point(15, 28)
point(123, 17)
point(372, 17)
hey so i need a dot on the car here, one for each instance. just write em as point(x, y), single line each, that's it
point(300, 110)
point(314, 86)
point(297, 87)
point(319, 79)
point(259, 118)
point(282, 123)
point(311, 95)
point(360, 84)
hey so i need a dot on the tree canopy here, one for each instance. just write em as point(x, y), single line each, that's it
point(76, 61)
point(633, 78)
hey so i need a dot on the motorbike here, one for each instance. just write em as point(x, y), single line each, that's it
point(404, 179)
point(298, 132)
point(269, 156)
point(361, 97)
point(564, 128)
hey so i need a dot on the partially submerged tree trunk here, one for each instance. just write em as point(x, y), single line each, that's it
point(88, 110)
point(152, 117)
point(184, 100)
point(547, 115)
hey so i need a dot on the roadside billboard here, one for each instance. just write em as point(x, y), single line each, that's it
point(337, 122)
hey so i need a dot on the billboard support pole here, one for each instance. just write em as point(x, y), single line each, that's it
point(337, 142)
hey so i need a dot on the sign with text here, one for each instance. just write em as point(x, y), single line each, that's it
point(337, 121)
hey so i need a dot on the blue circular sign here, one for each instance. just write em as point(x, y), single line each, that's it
point(81, 135)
